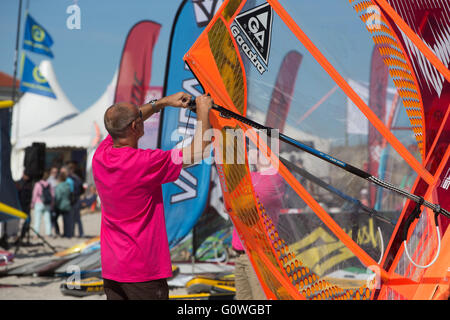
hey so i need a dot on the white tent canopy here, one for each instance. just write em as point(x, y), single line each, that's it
point(34, 112)
point(79, 131)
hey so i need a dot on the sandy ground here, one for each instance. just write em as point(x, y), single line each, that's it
point(48, 288)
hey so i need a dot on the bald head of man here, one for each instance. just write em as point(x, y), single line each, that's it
point(124, 121)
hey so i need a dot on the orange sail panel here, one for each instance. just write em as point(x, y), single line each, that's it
point(304, 241)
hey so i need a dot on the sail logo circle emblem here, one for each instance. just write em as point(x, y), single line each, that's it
point(37, 33)
point(37, 75)
point(256, 24)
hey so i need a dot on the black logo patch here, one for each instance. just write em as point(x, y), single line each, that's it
point(256, 23)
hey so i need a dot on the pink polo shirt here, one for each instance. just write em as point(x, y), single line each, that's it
point(133, 237)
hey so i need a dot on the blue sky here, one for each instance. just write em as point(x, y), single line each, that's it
point(85, 60)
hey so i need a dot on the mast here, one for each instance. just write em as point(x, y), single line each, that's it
point(16, 54)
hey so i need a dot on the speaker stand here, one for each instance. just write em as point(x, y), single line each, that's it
point(26, 232)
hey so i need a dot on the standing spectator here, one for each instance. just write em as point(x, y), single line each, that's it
point(53, 181)
point(69, 218)
point(62, 205)
point(76, 216)
point(89, 198)
point(69, 180)
point(25, 188)
point(53, 177)
point(364, 195)
point(269, 187)
point(77, 191)
point(41, 202)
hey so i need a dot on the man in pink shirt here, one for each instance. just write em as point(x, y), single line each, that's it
point(134, 247)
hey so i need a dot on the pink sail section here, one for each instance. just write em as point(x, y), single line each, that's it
point(136, 63)
point(428, 110)
point(379, 75)
point(282, 92)
point(431, 23)
point(430, 20)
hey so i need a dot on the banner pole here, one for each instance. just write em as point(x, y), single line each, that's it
point(16, 53)
point(14, 89)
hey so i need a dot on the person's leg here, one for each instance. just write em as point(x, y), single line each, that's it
point(257, 292)
point(38, 210)
point(70, 225)
point(66, 223)
point(149, 290)
point(55, 216)
point(77, 219)
point(242, 285)
point(47, 221)
point(113, 290)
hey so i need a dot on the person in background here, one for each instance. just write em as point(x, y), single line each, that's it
point(269, 186)
point(53, 181)
point(62, 205)
point(89, 198)
point(69, 180)
point(53, 177)
point(25, 190)
point(364, 197)
point(76, 219)
point(77, 191)
point(69, 217)
point(42, 201)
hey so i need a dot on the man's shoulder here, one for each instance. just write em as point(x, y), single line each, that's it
point(103, 144)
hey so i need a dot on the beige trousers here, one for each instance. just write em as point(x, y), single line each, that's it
point(246, 281)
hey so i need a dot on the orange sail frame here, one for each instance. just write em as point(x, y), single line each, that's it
point(274, 262)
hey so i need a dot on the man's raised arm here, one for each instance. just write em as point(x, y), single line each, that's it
point(178, 100)
point(194, 152)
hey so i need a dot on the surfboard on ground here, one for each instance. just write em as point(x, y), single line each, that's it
point(91, 285)
point(82, 263)
point(40, 267)
point(203, 296)
point(204, 267)
point(212, 284)
point(85, 287)
point(85, 246)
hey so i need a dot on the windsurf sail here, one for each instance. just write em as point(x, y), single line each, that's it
point(185, 199)
point(312, 252)
point(415, 59)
